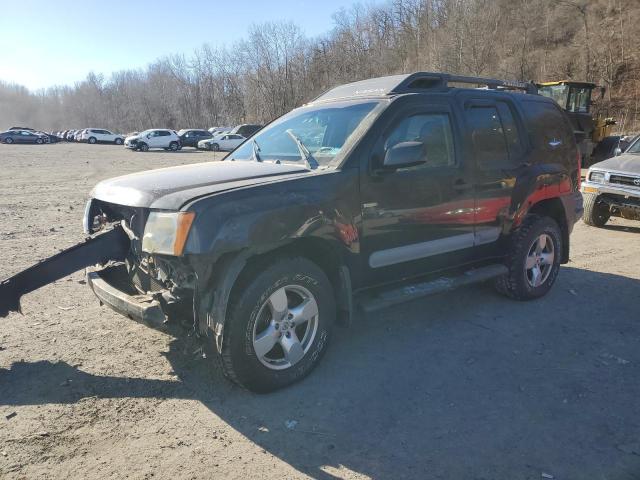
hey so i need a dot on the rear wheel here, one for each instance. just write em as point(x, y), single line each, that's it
point(533, 260)
point(596, 213)
point(143, 147)
point(279, 325)
point(173, 146)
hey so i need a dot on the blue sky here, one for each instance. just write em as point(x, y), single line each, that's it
point(46, 43)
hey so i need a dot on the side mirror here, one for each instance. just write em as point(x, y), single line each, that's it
point(404, 155)
point(148, 135)
point(617, 151)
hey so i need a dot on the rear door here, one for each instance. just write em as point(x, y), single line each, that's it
point(498, 148)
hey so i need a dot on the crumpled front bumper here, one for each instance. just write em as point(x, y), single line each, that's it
point(112, 287)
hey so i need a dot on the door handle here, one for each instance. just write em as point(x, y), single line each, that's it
point(461, 186)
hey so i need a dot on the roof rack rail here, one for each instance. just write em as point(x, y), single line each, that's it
point(422, 80)
point(417, 82)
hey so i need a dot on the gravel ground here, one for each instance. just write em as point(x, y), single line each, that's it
point(462, 385)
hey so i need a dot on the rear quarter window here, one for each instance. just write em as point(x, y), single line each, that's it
point(547, 126)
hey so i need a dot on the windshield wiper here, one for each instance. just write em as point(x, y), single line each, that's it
point(256, 151)
point(304, 151)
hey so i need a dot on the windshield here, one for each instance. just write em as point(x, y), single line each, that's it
point(635, 147)
point(558, 92)
point(309, 134)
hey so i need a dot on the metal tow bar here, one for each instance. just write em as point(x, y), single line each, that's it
point(112, 245)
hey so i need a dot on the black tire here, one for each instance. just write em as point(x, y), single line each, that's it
point(143, 147)
point(173, 146)
point(596, 213)
point(516, 283)
point(118, 141)
point(239, 360)
point(215, 147)
point(92, 140)
point(39, 141)
point(8, 140)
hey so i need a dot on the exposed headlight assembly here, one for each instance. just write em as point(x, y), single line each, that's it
point(597, 177)
point(166, 232)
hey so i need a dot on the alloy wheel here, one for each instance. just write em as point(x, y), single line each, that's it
point(539, 261)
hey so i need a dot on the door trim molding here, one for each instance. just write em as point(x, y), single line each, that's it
point(416, 251)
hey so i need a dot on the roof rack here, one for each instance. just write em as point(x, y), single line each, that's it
point(418, 82)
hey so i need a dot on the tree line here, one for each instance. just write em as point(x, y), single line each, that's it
point(277, 67)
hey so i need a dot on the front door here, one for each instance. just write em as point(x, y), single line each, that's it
point(418, 219)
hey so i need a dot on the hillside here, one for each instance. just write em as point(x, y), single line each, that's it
point(277, 67)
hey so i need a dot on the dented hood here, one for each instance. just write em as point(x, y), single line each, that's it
point(170, 188)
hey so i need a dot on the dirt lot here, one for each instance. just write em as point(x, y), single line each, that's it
point(464, 385)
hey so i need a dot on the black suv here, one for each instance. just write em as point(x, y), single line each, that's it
point(374, 193)
point(191, 137)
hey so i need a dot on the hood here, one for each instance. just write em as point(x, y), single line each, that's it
point(625, 163)
point(132, 137)
point(170, 188)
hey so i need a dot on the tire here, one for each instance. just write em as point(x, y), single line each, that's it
point(39, 141)
point(173, 146)
point(251, 316)
point(526, 257)
point(596, 213)
point(118, 141)
point(215, 147)
point(143, 147)
point(8, 140)
point(92, 140)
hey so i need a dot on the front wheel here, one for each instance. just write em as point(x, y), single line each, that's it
point(596, 213)
point(92, 140)
point(143, 147)
point(533, 260)
point(8, 140)
point(278, 325)
point(118, 141)
point(215, 147)
point(39, 141)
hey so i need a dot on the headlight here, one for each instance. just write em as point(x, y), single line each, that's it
point(166, 232)
point(597, 177)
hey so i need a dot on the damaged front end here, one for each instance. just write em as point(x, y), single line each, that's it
point(146, 287)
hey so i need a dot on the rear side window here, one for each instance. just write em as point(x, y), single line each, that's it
point(487, 136)
point(548, 128)
point(163, 133)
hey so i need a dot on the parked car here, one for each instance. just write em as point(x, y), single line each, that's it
point(22, 136)
point(225, 141)
point(191, 137)
point(216, 130)
point(377, 192)
point(246, 129)
point(154, 138)
point(78, 135)
point(99, 135)
point(612, 188)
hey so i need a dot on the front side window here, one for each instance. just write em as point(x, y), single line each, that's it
point(560, 93)
point(579, 99)
point(321, 130)
point(434, 131)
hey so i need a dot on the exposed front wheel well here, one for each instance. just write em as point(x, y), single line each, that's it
point(554, 208)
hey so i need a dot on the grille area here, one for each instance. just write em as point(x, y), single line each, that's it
point(144, 282)
point(624, 180)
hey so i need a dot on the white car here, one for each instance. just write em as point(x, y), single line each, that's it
point(99, 135)
point(225, 141)
point(154, 138)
